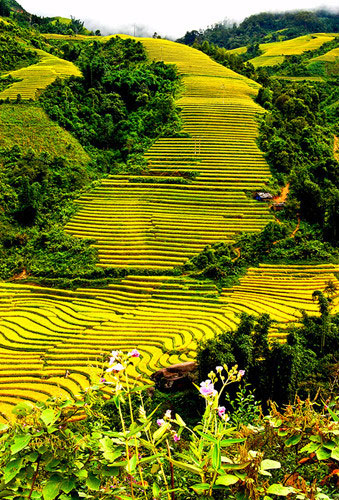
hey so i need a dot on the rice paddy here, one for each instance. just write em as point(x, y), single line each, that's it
point(35, 78)
point(159, 225)
point(274, 53)
point(51, 340)
point(29, 127)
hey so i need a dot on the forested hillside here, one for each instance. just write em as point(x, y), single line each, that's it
point(168, 218)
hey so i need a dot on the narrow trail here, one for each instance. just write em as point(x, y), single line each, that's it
point(283, 195)
point(336, 148)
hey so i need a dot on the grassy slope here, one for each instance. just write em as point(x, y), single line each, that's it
point(35, 78)
point(56, 330)
point(28, 126)
point(274, 53)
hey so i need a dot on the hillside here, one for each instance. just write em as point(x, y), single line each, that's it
point(275, 53)
point(194, 192)
point(163, 208)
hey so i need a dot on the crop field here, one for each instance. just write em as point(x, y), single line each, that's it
point(51, 341)
point(330, 56)
point(160, 223)
point(28, 126)
point(274, 53)
point(281, 291)
point(35, 78)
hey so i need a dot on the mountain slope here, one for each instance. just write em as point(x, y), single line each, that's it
point(159, 221)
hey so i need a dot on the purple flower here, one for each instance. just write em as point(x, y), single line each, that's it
point(176, 438)
point(221, 411)
point(207, 388)
point(114, 356)
point(160, 422)
point(134, 353)
point(118, 367)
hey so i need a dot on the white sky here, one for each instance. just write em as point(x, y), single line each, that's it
point(169, 18)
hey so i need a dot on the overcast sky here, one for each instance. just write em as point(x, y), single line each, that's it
point(169, 18)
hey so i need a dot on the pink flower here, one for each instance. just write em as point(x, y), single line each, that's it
point(134, 353)
point(102, 380)
point(116, 368)
point(176, 438)
point(221, 411)
point(207, 388)
point(114, 356)
point(168, 414)
point(219, 369)
point(241, 373)
point(160, 422)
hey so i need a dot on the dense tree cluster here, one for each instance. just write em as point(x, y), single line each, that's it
point(265, 27)
point(306, 363)
point(14, 54)
point(298, 141)
point(120, 104)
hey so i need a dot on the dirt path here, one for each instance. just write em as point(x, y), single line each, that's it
point(283, 195)
point(336, 148)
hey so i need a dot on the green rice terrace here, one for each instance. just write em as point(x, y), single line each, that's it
point(197, 191)
point(55, 337)
point(160, 224)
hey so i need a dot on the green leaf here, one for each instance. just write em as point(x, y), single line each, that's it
point(67, 485)
point(155, 490)
point(161, 431)
point(188, 467)
point(32, 457)
point(280, 490)
point(51, 489)
point(207, 436)
point(323, 453)
point(333, 415)
point(309, 448)
point(270, 464)
point(200, 487)
point(82, 474)
point(335, 453)
point(227, 480)
point(227, 466)
point(293, 440)
point(3, 427)
point(229, 442)
point(131, 465)
point(49, 416)
point(20, 442)
point(24, 408)
point(93, 482)
point(12, 469)
point(216, 457)
point(179, 420)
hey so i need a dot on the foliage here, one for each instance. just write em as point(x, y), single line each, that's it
point(14, 54)
point(277, 242)
point(298, 141)
point(69, 449)
point(306, 364)
point(121, 104)
point(36, 192)
point(265, 27)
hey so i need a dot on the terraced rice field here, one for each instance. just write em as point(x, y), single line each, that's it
point(29, 127)
point(274, 53)
point(35, 78)
point(51, 340)
point(159, 225)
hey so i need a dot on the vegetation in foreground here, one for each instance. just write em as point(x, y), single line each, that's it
point(67, 450)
